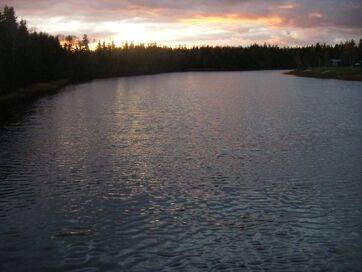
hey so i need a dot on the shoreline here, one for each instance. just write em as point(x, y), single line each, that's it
point(15, 101)
point(339, 73)
point(30, 93)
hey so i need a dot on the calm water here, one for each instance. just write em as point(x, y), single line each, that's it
point(253, 171)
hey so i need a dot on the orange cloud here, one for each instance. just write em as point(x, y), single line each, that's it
point(145, 10)
point(231, 19)
point(316, 15)
point(286, 6)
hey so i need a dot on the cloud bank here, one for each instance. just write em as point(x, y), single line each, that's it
point(198, 22)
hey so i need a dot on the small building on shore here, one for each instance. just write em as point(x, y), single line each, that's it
point(335, 62)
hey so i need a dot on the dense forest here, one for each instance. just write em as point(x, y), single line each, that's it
point(28, 57)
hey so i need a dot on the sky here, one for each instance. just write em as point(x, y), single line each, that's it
point(197, 22)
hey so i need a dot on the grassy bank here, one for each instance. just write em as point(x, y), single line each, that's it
point(24, 95)
point(344, 73)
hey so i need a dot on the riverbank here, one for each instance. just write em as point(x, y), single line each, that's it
point(343, 73)
point(18, 97)
point(24, 95)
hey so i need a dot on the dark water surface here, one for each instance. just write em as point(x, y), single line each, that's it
point(240, 171)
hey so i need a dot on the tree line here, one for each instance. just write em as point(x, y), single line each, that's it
point(28, 57)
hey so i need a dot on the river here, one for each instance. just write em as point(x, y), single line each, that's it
point(199, 171)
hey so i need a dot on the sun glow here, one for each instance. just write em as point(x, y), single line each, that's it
point(142, 33)
point(185, 31)
point(130, 32)
point(145, 32)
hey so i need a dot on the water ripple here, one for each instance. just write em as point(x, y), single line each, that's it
point(168, 173)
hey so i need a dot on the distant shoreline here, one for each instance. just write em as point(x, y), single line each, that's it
point(33, 92)
point(341, 73)
point(30, 93)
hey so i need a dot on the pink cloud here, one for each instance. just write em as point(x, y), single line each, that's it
point(199, 21)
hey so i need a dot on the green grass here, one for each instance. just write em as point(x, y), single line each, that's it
point(344, 73)
point(24, 95)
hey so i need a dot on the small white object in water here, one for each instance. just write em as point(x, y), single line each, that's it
point(74, 232)
point(256, 237)
point(223, 152)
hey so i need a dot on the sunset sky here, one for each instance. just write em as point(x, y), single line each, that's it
point(197, 22)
